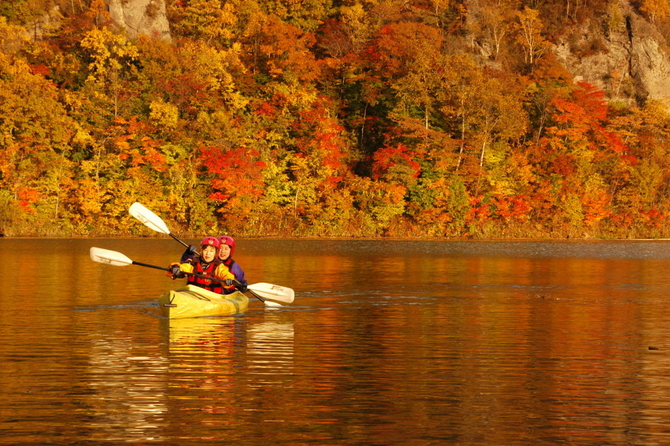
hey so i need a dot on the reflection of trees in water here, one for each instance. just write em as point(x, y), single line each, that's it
point(129, 398)
point(270, 346)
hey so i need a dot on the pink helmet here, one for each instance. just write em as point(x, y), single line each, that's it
point(210, 241)
point(225, 240)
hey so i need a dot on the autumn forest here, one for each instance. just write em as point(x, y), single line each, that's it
point(353, 118)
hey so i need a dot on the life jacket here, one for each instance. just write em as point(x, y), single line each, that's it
point(212, 285)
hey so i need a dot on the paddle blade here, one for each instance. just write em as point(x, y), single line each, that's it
point(270, 304)
point(147, 217)
point(273, 292)
point(109, 257)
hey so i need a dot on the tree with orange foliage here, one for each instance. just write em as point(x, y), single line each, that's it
point(36, 146)
point(582, 154)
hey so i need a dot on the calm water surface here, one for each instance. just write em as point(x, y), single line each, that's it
point(387, 343)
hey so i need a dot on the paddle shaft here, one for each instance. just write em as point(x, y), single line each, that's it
point(179, 240)
point(202, 276)
point(258, 290)
point(257, 296)
point(162, 268)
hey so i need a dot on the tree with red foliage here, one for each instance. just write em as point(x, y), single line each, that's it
point(236, 179)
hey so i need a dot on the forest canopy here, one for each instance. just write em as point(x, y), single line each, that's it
point(359, 118)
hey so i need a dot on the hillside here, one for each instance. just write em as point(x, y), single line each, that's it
point(356, 118)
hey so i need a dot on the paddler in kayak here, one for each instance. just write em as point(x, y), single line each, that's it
point(207, 264)
point(226, 251)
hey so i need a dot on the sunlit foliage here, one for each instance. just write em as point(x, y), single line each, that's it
point(357, 118)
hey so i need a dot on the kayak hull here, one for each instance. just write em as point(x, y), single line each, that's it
point(193, 301)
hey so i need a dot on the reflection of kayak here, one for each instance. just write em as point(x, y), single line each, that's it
point(199, 333)
point(193, 301)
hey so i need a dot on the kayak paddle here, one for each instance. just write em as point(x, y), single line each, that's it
point(261, 291)
point(153, 221)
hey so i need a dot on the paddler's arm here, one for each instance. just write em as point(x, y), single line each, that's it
point(188, 255)
point(239, 276)
point(222, 272)
point(177, 269)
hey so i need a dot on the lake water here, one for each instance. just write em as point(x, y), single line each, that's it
point(387, 343)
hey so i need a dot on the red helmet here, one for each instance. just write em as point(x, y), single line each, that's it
point(225, 240)
point(210, 241)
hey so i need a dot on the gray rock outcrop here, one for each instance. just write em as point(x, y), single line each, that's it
point(630, 65)
point(623, 54)
point(141, 17)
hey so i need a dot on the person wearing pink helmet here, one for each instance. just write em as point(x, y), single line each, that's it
point(226, 251)
point(205, 264)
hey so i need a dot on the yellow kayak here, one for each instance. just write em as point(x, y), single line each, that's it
point(193, 301)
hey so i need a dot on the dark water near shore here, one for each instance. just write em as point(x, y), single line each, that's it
point(387, 343)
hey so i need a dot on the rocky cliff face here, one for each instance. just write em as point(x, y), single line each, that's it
point(140, 17)
point(630, 63)
point(626, 57)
